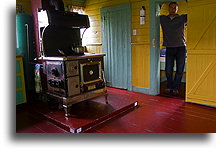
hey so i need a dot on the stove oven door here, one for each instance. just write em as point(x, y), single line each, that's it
point(91, 75)
point(55, 77)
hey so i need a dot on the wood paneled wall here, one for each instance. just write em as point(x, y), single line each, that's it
point(26, 4)
point(140, 53)
point(201, 67)
point(73, 2)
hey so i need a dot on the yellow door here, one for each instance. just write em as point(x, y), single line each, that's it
point(201, 59)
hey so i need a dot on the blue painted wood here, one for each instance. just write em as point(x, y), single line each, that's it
point(25, 46)
point(141, 90)
point(116, 38)
point(140, 43)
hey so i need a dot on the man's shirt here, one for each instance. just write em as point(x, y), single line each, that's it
point(173, 30)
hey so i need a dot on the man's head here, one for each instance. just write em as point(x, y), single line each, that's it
point(173, 8)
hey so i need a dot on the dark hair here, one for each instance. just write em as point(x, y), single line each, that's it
point(173, 3)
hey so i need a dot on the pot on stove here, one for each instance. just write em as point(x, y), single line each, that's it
point(78, 50)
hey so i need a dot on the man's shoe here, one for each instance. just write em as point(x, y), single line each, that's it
point(175, 92)
point(167, 91)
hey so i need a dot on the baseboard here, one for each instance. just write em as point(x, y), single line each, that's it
point(141, 90)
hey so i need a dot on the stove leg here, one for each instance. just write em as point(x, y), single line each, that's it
point(106, 96)
point(67, 110)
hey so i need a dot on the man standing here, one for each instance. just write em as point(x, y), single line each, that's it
point(174, 40)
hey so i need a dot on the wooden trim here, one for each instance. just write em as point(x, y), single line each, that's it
point(200, 97)
point(106, 118)
point(19, 89)
point(70, 58)
point(94, 44)
point(140, 43)
point(19, 74)
point(202, 101)
point(17, 56)
point(141, 90)
point(202, 52)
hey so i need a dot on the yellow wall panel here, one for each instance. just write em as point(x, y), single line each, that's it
point(204, 23)
point(195, 3)
point(136, 25)
point(136, 19)
point(207, 37)
point(140, 53)
point(140, 38)
point(95, 49)
point(140, 65)
point(93, 11)
point(26, 5)
point(201, 63)
point(73, 2)
point(137, 4)
point(139, 32)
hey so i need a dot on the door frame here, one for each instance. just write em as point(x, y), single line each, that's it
point(129, 52)
point(155, 45)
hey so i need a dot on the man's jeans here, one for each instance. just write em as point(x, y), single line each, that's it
point(172, 54)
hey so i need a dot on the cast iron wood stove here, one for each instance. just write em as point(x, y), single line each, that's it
point(74, 79)
point(72, 75)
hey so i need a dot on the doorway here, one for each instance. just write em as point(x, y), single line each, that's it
point(163, 80)
point(116, 39)
point(157, 74)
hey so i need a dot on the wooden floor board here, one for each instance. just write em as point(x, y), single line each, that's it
point(155, 114)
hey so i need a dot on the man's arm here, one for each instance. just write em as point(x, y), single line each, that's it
point(185, 18)
point(160, 6)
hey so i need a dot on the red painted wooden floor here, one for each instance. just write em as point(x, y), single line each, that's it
point(155, 114)
point(31, 122)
